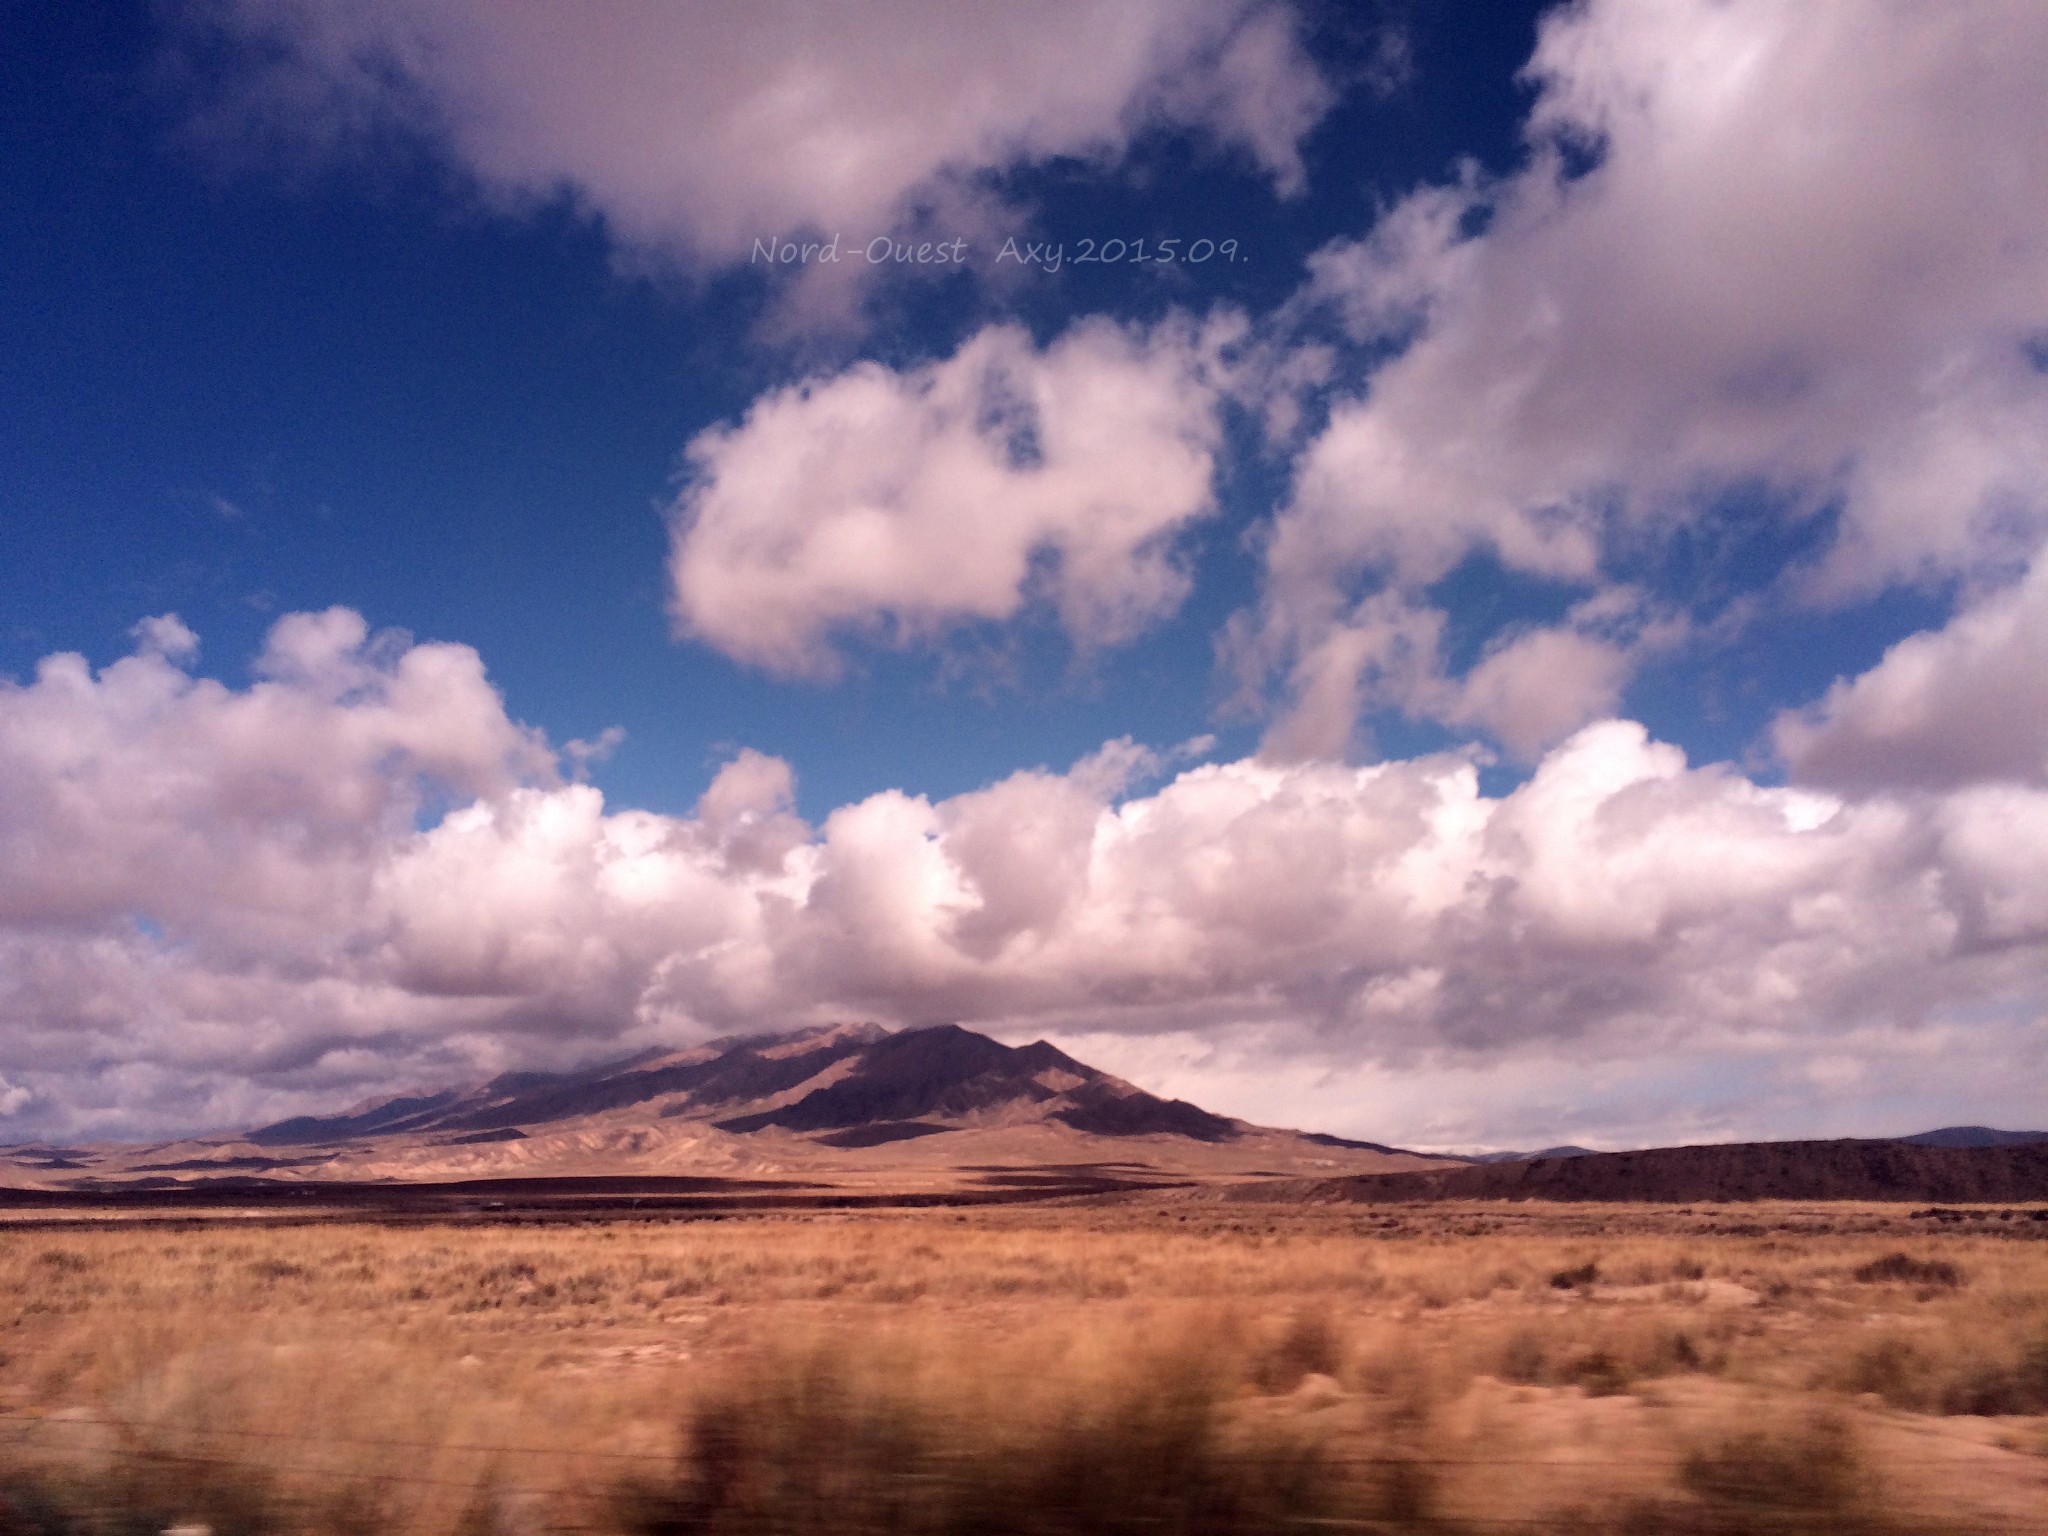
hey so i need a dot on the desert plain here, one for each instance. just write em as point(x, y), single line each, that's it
point(1171, 1360)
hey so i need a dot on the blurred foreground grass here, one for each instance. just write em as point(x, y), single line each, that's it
point(1152, 1368)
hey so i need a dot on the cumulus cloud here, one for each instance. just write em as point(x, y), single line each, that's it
point(1536, 687)
point(165, 635)
point(1962, 704)
point(695, 130)
point(1531, 686)
point(901, 503)
point(238, 816)
point(183, 866)
point(1791, 248)
point(221, 904)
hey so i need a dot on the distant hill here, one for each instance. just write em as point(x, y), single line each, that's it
point(1948, 1136)
point(1778, 1170)
point(1524, 1157)
point(1974, 1136)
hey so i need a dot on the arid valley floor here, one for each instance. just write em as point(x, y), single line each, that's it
point(1173, 1360)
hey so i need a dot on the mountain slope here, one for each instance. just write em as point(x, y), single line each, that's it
point(950, 1072)
point(740, 1070)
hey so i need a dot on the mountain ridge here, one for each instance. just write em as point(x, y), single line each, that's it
point(858, 1107)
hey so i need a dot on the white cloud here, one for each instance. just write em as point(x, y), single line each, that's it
point(902, 503)
point(1385, 286)
point(1386, 650)
point(239, 815)
point(582, 753)
point(1531, 686)
point(696, 129)
point(1538, 686)
point(167, 636)
point(1702, 1087)
point(1809, 258)
point(1961, 704)
point(217, 903)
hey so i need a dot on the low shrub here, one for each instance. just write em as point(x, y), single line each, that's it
point(814, 1445)
point(1904, 1269)
point(1909, 1375)
point(1805, 1479)
point(1309, 1345)
point(144, 1493)
point(2002, 1386)
point(1810, 1470)
point(1896, 1370)
point(1610, 1362)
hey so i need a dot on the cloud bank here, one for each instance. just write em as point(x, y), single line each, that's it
point(226, 903)
point(1788, 257)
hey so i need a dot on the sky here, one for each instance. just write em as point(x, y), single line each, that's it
point(1467, 576)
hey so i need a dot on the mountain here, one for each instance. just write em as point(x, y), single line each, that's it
point(856, 1106)
point(861, 1084)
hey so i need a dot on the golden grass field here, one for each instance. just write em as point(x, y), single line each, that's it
point(1169, 1364)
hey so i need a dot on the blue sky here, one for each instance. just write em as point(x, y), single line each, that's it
point(1563, 605)
point(243, 388)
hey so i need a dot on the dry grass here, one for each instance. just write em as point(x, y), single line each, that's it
point(1176, 1367)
